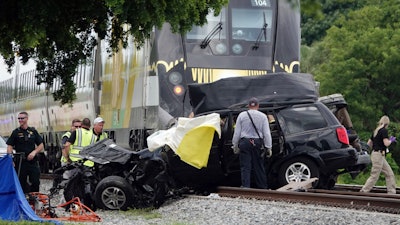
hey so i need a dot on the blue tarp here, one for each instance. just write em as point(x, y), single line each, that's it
point(14, 206)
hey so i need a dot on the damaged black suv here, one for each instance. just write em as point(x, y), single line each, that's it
point(308, 140)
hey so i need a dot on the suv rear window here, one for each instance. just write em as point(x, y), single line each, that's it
point(299, 119)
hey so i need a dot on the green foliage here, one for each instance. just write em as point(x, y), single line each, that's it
point(311, 8)
point(59, 35)
point(314, 25)
point(358, 57)
point(359, 60)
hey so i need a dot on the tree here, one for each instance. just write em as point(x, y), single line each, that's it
point(360, 59)
point(59, 35)
point(314, 25)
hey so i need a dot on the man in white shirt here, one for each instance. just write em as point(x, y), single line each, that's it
point(251, 133)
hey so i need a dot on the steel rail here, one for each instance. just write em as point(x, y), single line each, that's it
point(47, 176)
point(376, 202)
point(355, 187)
point(355, 193)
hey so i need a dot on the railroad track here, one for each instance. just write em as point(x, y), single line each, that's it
point(338, 187)
point(378, 202)
point(343, 196)
point(357, 188)
point(47, 176)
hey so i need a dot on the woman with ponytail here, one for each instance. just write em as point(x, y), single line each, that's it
point(379, 142)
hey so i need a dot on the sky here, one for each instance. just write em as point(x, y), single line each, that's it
point(3, 70)
point(4, 74)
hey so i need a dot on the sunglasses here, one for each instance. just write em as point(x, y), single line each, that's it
point(77, 126)
point(21, 118)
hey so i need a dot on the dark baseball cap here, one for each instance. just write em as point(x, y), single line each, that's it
point(253, 102)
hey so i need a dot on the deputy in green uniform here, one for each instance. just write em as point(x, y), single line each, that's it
point(26, 140)
point(80, 138)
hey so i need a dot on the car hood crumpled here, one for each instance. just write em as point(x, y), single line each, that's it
point(106, 151)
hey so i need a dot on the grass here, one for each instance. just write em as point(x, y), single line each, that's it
point(147, 213)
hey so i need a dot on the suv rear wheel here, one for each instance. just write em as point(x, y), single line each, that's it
point(297, 170)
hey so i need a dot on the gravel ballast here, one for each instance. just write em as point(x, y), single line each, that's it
point(212, 209)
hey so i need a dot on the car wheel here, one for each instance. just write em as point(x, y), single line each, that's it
point(298, 170)
point(114, 193)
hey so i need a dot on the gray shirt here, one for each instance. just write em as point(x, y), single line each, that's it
point(245, 129)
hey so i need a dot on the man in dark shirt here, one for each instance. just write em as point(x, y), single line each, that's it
point(26, 140)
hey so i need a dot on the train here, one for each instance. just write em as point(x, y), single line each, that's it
point(138, 91)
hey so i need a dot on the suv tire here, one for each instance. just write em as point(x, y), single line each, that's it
point(114, 193)
point(297, 170)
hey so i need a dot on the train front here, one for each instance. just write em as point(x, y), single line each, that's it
point(252, 37)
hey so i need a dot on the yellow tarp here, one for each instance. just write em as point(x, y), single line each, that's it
point(191, 139)
point(196, 145)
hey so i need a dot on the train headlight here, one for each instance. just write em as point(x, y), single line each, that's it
point(175, 78)
point(179, 90)
point(237, 49)
point(220, 48)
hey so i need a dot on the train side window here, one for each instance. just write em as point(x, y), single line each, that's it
point(32, 86)
point(28, 84)
point(6, 95)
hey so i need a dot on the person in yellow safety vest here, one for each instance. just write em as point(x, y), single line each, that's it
point(76, 123)
point(98, 124)
point(80, 138)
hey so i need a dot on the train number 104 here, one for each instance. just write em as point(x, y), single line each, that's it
point(261, 3)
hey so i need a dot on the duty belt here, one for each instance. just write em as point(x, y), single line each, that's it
point(379, 150)
point(383, 152)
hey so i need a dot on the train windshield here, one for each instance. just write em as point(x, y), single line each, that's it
point(243, 29)
point(216, 25)
point(251, 24)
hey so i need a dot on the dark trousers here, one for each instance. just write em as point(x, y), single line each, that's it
point(251, 163)
point(31, 171)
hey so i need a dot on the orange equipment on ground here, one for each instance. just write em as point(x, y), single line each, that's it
point(40, 203)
